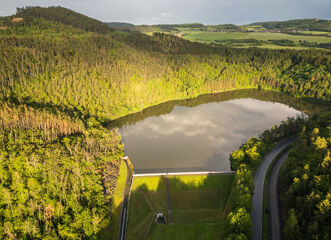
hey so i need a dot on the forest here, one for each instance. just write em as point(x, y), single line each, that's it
point(305, 178)
point(306, 181)
point(64, 77)
point(245, 162)
point(312, 24)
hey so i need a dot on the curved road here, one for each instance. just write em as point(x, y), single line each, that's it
point(273, 198)
point(257, 201)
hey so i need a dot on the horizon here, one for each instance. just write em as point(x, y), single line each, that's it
point(207, 12)
point(323, 19)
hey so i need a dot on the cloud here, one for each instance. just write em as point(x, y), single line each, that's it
point(185, 11)
point(202, 136)
point(166, 14)
point(188, 123)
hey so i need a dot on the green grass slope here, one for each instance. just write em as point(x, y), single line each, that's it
point(199, 205)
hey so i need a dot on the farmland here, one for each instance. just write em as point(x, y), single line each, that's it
point(294, 34)
point(257, 39)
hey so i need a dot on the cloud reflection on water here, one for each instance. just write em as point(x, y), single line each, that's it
point(200, 137)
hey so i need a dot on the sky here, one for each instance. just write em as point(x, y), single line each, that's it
point(184, 11)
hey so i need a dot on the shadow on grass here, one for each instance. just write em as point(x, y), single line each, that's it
point(195, 202)
point(111, 232)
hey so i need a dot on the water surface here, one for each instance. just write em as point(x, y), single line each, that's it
point(199, 136)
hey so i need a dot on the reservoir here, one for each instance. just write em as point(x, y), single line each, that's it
point(199, 134)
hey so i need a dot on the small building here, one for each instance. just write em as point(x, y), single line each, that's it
point(15, 20)
point(159, 219)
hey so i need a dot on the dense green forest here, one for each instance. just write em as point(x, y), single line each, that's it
point(56, 177)
point(112, 74)
point(305, 176)
point(245, 162)
point(310, 24)
point(64, 76)
point(306, 183)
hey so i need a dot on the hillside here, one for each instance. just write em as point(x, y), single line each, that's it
point(293, 34)
point(63, 16)
point(64, 76)
point(119, 25)
point(298, 25)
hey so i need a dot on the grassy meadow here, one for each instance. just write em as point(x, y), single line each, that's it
point(249, 36)
point(293, 34)
point(262, 39)
point(199, 204)
point(265, 36)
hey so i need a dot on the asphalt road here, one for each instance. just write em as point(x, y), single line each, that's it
point(276, 232)
point(257, 202)
point(124, 214)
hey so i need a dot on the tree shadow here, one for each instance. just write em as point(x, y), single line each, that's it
point(191, 199)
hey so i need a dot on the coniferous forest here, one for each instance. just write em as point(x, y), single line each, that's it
point(64, 77)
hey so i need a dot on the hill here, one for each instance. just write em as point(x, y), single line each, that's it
point(295, 34)
point(119, 25)
point(313, 24)
point(64, 16)
point(64, 76)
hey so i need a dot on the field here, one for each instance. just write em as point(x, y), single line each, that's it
point(199, 205)
point(316, 33)
point(274, 40)
point(293, 34)
point(256, 39)
point(264, 36)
